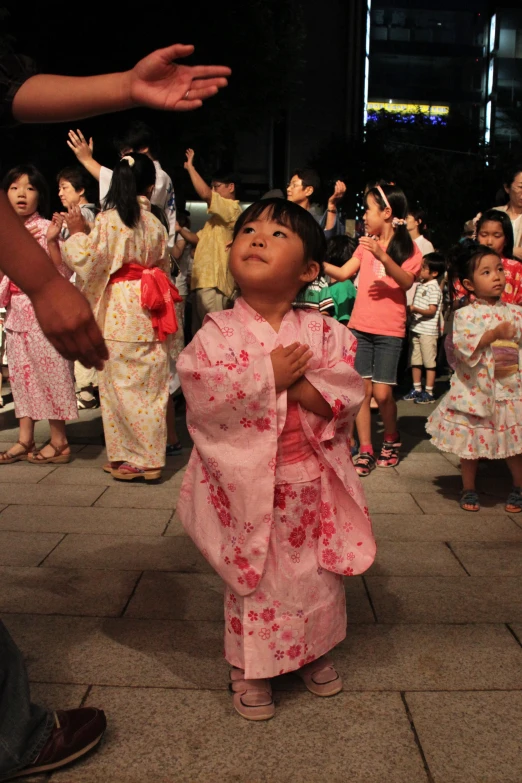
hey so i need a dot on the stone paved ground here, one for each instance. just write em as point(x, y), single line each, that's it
point(113, 606)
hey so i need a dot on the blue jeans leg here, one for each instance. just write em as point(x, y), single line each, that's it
point(24, 727)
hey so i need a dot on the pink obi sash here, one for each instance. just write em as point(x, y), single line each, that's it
point(293, 445)
point(158, 296)
point(505, 353)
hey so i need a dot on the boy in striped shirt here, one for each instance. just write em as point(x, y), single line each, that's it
point(425, 315)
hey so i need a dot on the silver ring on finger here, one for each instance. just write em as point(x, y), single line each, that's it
point(186, 96)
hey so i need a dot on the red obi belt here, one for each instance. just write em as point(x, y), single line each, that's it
point(158, 295)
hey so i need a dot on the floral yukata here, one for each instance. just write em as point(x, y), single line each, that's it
point(42, 381)
point(481, 415)
point(271, 496)
point(134, 381)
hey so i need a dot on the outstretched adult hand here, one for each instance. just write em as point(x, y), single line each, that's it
point(159, 82)
point(68, 322)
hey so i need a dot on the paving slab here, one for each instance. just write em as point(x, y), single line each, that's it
point(425, 466)
point(93, 477)
point(57, 697)
point(186, 738)
point(131, 553)
point(25, 549)
point(470, 736)
point(429, 599)
point(24, 472)
point(429, 657)
point(415, 558)
point(65, 591)
point(82, 520)
point(41, 495)
point(121, 651)
point(431, 503)
point(444, 527)
point(396, 503)
point(181, 654)
point(132, 495)
point(503, 558)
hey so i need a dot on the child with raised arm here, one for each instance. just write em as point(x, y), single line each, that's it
point(481, 414)
point(388, 263)
point(271, 497)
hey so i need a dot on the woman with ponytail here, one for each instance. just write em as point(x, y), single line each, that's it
point(123, 268)
point(388, 263)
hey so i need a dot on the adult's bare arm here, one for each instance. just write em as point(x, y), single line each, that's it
point(157, 82)
point(62, 311)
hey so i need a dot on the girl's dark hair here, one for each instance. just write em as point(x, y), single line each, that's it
point(74, 175)
point(340, 249)
point(294, 217)
point(463, 260)
point(498, 216)
point(401, 246)
point(138, 136)
point(127, 183)
point(36, 179)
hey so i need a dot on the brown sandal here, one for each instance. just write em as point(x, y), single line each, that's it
point(59, 457)
point(7, 459)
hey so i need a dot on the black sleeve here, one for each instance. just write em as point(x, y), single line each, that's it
point(15, 69)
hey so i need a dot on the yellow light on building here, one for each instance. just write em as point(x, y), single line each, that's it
point(408, 108)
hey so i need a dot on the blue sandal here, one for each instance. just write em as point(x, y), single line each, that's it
point(470, 498)
point(514, 499)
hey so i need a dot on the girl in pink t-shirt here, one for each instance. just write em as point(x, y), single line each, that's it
point(388, 263)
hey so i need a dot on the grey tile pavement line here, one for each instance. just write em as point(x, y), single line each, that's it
point(132, 594)
point(52, 550)
point(47, 474)
point(459, 561)
point(513, 633)
point(370, 599)
point(168, 523)
point(516, 518)
point(86, 695)
point(99, 497)
point(418, 743)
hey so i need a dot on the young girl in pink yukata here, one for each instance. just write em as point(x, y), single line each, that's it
point(42, 381)
point(271, 496)
point(481, 414)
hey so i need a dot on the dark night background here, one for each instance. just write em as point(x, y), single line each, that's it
point(261, 40)
point(291, 72)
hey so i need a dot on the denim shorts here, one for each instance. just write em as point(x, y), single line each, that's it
point(377, 356)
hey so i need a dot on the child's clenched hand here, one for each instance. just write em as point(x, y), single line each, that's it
point(289, 363)
point(505, 331)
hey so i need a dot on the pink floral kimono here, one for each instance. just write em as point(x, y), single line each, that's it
point(42, 381)
point(271, 496)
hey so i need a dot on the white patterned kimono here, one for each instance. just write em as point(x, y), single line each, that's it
point(134, 381)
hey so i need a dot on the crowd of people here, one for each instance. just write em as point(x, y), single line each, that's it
point(295, 330)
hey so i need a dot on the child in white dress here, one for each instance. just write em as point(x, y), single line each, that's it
point(481, 414)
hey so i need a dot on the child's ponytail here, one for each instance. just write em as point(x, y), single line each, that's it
point(401, 246)
point(132, 177)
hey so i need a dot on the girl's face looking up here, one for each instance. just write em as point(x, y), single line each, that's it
point(267, 256)
point(489, 278)
point(491, 235)
point(23, 197)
